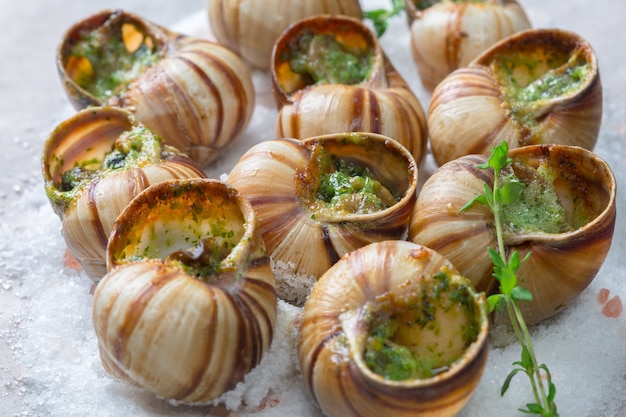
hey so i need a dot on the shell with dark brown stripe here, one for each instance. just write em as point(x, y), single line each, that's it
point(473, 108)
point(181, 336)
point(561, 265)
point(88, 213)
point(449, 35)
point(335, 323)
point(383, 103)
point(275, 176)
point(250, 27)
point(198, 96)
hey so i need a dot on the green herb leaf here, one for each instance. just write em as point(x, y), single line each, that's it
point(521, 294)
point(380, 17)
point(480, 199)
point(499, 157)
point(532, 409)
point(511, 192)
point(507, 381)
point(496, 301)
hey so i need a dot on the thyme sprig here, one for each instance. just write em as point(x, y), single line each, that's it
point(511, 293)
point(380, 17)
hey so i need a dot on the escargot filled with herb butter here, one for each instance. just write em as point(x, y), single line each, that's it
point(94, 164)
point(332, 69)
point(322, 197)
point(188, 306)
point(539, 86)
point(393, 329)
point(197, 95)
point(564, 218)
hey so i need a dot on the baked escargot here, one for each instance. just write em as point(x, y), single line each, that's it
point(188, 305)
point(324, 196)
point(332, 69)
point(564, 219)
point(197, 95)
point(539, 86)
point(94, 163)
point(393, 329)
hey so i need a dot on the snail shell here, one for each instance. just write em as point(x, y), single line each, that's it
point(380, 280)
point(89, 209)
point(448, 35)
point(491, 100)
point(196, 94)
point(281, 179)
point(382, 103)
point(250, 27)
point(188, 306)
point(561, 263)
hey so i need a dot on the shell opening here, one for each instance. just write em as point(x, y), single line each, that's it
point(421, 330)
point(557, 197)
point(342, 179)
point(187, 226)
point(534, 77)
point(337, 54)
point(106, 59)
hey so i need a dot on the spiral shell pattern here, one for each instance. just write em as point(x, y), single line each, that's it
point(470, 111)
point(334, 319)
point(250, 27)
point(88, 215)
point(382, 104)
point(561, 265)
point(198, 96)
point(269, 176)
point(449, 35)
point(169, 331)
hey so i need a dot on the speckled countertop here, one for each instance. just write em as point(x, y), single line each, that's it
point(32, 102)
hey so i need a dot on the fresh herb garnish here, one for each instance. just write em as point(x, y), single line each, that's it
point(380, 17)
point(511, 294)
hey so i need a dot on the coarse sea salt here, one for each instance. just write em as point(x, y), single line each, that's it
point(51, 365)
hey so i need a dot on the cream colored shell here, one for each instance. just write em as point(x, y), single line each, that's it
point(250, 27)
point(449, 35)
point(561, 265)
point(180, 336)
point(270, 175)
point(383, 104)
point(199, 96)
point(88, 216)
point(334, 322)
point(470, 111)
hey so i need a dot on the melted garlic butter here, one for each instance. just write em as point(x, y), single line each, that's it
point(323, 60)
point(420, 335)
point(345, 187)
point(104, 64)
point(540, 207)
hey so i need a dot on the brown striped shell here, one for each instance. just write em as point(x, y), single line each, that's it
point(383, 103)
point(477, 107)
point(281, 179)
point(188, 306)
point(446, 35)
point(196, 94)
point(250, 27)
point(373, 283)
point(561, 264)
point(89, 209)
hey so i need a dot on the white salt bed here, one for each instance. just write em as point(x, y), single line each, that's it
point(49, 364)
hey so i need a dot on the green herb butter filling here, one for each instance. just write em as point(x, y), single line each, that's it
point(133, 148)
point(346, 187)
point(421, 334)
point(104, 63)
point(528, 83)
point(321, 59)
